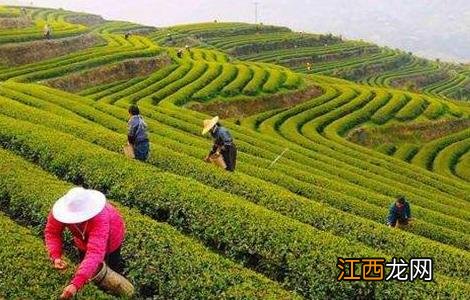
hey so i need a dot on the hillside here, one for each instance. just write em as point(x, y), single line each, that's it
point(267, 231)
point(329, 55)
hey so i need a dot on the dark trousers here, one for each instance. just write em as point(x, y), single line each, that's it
point(229, 153)
point(113, 260)
point(400, 221)
point(141, 150)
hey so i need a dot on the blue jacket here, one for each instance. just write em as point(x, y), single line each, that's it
point(137, 130)
point(221, 137)
point(395, 214)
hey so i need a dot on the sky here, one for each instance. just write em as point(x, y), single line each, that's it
point(429, 28)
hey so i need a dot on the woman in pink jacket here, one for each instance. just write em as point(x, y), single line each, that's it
point(97, 229)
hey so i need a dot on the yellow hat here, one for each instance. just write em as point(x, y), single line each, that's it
point(208, 124)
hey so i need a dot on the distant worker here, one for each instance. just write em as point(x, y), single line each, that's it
point(187, 48)
point(179, 53)
point(127, 35)
point(98, 233)
point(47, 32)
point(309, 66)
point(399, 214)
point(137, 135)
point(223, 147)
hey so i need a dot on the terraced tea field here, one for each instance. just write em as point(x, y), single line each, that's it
point(328, 55)
point(266, 231)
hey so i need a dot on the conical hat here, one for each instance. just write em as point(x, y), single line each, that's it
point(209, 123)
point(78, 205)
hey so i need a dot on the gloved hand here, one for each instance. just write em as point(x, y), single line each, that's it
point(68, 292)
point(207, 159)
point(60, 264)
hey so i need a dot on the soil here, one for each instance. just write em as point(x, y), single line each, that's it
point(302, 41)
point(252, 105)
point(29, 52)
point(417, 133)
point(87, 20)
point(12, 23)
point(301, 61)
point(420, 80)
point(109, 73)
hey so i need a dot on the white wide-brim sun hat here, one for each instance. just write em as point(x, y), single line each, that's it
point(208, 124)
point(78, 205)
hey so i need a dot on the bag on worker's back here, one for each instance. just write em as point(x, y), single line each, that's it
point(129, 151)
point(113, 282)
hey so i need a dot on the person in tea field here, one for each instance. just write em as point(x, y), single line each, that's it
point(98, 232)
point(179, 53)
point(223, 143)
point(400, 213)
point(47, 32)
point(309, 66)
point(137, 135)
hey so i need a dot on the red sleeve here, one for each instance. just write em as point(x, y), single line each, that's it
point(53, 237)
point(95, 252)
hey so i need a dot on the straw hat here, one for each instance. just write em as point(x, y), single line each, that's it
point(208, 124)
point(78, 205)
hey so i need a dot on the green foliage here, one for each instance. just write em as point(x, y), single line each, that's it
point(254, 85)
point(244, 75)
point(229, 73)
point(157, 256)
point(164, 195)
point(387, 112)
point(55, 19)
point(255, 190)
point(24, 266)
point(415, 107)
point(289, 221)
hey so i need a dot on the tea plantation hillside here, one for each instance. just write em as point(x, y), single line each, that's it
point(266, 231)
point(328, 55)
